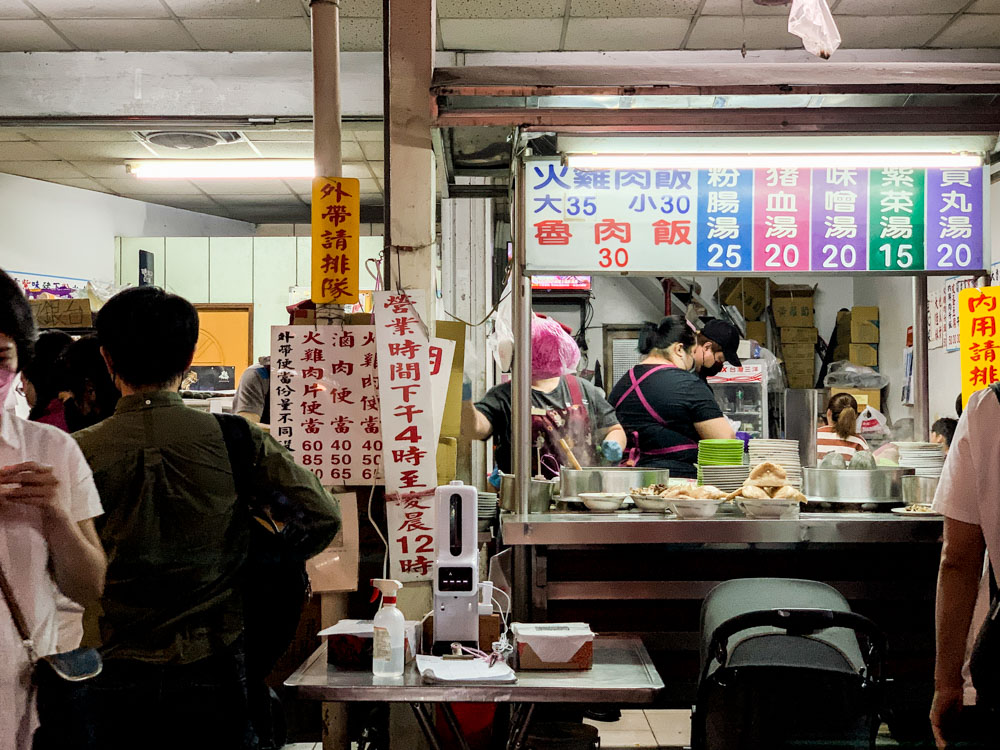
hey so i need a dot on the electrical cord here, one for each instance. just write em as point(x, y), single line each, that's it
point(385, 542)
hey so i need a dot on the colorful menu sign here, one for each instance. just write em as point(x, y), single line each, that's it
point(773, 220)
point(978, 315)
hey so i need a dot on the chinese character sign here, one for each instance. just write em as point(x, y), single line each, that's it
point(408, 446)
point(777, 219)
point(324, 401)
point(978, 314)
point(952, 326)
point(336, 244)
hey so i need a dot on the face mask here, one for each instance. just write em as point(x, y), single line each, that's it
point(7, 378)
point(713, 370)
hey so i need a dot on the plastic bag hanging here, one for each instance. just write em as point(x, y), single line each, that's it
point(812, 21)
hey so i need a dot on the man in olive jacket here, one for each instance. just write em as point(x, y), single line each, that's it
point(175, 533)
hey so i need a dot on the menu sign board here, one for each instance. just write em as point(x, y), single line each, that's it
point(773, 220)
point(978, 315)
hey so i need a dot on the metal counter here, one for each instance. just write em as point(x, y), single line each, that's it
point(628, 527)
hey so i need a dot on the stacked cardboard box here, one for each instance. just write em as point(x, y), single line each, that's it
point(792, 309)
point(749, 296)
point(864, 336)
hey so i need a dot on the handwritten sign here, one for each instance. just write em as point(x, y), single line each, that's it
point(336, 244)
point(978, 314)
point(408, 428)
point(324, 401)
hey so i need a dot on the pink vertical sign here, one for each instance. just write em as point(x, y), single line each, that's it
point(781, 219)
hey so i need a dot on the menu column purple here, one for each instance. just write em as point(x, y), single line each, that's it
point(840, 219)
point(954, 219)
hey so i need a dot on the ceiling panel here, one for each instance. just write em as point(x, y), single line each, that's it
point(625, 33)
point(363, 131)
point(102, 168)
point(30, 36)
point(9, 134)
point(236, 34)
point(96, 151)
point(361, 34)
point(501, 8)
point(237, 8)
point(971, 31)
point(377, 168)
point(361, 8)
point(84, 183)
point(985, 6)
point(135, 186)
point(40, 170)
point(725, 32)
point(373, 150)
point(290, 134)
point(23, 151)
point(237, 187)
point(501, 34)
point(129, 36)
point(77, 134)
point(238, 150)
point(358, 170)
point(15, 9)
point(245, 199)
point(299, 186)
point(102, 8)
point(732, 8)
point(899, 8)
point(288, 149)
point(189, 202)
point(907, 31)
point(633, 8)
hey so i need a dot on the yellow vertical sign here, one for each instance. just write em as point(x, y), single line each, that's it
point(336, 245)
point(979, 338)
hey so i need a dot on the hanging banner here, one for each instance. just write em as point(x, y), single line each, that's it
point(336, 242)
point(409, 447)
point(978, 315)
point(324, 401)
point(771, 220)
point(951, 291)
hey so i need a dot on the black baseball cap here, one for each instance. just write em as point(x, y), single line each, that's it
point(726, 335)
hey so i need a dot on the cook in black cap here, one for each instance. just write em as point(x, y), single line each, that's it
point(717, 344)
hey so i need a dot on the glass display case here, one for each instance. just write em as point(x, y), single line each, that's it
point(742, 395)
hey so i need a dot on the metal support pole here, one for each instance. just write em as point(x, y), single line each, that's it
point(521, 373)
point(326, 86)
point(921, 395)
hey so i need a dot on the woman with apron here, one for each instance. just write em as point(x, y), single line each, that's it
point(663, 406)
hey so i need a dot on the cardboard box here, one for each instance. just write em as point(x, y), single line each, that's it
point(749, 296)
point(792, 306)
point(798, 351)
point(799, 335)
point(864, 354)
point(757, 330)
point(864, 331)
point(574, 641)
point(841, 352)
point(801, 381)
point(61, 313)
point(864, 396)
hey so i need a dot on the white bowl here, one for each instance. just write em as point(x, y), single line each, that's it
point(694, 507)
point(770, 508)
point(603, 501)
point(652, 503)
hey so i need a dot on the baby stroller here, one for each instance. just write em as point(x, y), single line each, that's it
point(782, 667)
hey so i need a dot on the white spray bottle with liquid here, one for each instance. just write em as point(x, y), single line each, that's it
point(390, 626)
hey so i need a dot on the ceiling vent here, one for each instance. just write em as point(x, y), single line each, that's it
point(772, 2)
point(186, 140)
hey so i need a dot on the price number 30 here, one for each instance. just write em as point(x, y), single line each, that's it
point(613, 258)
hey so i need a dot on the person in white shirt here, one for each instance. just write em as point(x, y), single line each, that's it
point(48, 544)
point(967, 497)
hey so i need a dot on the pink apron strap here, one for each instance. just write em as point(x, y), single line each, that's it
point(635, 383)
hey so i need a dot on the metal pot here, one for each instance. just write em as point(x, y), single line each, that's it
point(539, 494)
point(599, 479)
point(919, 490)
point(846, 484)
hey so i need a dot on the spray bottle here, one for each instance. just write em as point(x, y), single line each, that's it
point(390, 626)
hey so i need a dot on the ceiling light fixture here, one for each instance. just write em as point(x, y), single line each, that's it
point(221, 169)
point(763, 161)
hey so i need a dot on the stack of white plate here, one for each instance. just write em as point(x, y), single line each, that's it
point(926, 458)
point(487, 504)
point(785, 453)
point(726, 478)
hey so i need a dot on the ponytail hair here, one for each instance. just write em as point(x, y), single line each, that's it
point(661, 336)
point(844, 409)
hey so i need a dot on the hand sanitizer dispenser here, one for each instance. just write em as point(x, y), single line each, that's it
point(456, 569)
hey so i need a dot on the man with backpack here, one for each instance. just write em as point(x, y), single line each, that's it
point(181, 490)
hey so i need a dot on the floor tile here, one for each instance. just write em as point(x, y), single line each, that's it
point(612, 740)
point(631, 721)
point(672, 728)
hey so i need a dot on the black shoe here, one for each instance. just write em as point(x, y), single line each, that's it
point(603, 714)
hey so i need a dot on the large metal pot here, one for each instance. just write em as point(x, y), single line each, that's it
point(919, 490)
point(602, 479)
point(539, 494)
point(883, 484)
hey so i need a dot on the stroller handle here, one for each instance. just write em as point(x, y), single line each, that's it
point(802, 621)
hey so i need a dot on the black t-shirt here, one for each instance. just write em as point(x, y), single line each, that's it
point(496, 407)
point(681, 399)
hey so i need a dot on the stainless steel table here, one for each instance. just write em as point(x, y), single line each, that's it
point(622, 673)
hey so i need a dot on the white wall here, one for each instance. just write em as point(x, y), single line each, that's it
point(65, 231)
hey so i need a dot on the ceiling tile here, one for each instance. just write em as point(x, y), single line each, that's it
point(357, 170)
point(42, 170)
point(625, 33)
point(362, 8)
point(239, 187)
point(188, 202)
point(96, 151)
point(23, 151)
point(732, 8)
point(234, 34)
point(299, 186)
point(102, 169)
point(350, 151)
point(363, 131)
point(898, 8)
point(9, 134)
point(283, 134)
point(501, 8)
point(128, 36)
point(30, 36)
point(83, 183)
point(237, 8)
point(725, 32)
point(501, 34)
point(244, 199)
point(361, 34)
point(377, 168)
point(135, 186)
point(868, 32)
point(373, 150)
point(101, 8)
point(633, 9)
point(970, 31)
point(54, 133)
point(239, 150)
point(985, 6)
point(15, 9)
point(286, 149)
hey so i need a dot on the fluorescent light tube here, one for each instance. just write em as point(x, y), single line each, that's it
point(231, 169)
point(761, 161)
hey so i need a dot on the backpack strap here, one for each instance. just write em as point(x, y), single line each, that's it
point(240, 449)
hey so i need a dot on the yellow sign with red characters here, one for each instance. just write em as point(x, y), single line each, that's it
point(336, 243)
point(979, 322)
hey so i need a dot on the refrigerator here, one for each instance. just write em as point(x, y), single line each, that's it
point(741, 393)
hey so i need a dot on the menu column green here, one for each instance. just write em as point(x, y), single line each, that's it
point(896, 219)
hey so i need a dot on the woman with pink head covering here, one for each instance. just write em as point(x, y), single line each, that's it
point(563, 407)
